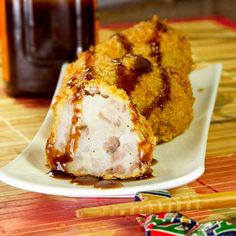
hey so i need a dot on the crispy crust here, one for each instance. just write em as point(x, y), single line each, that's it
point(168, 118)
point(147, 65)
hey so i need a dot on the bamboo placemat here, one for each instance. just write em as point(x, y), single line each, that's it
point(26, 213)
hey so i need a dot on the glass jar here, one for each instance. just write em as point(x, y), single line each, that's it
point(37, 37)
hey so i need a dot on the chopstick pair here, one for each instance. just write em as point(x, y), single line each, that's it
point(201, 201)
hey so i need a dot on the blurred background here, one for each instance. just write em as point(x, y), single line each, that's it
point(120, 10)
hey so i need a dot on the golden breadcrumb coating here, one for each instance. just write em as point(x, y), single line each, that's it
point(151, 62)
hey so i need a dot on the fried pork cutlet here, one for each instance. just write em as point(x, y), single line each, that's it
point(98, 131)
point(151, 62)
point(116, 96)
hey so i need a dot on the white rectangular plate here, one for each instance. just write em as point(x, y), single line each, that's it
point(180, 161)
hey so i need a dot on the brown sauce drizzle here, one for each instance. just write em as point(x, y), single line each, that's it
point(57, 159)
point(161, 27)
point(144, 147)
point(155, 42)
point(78, 94)
point(160, 100)
point(164, 96)
point(74, 134)
point(89, 63)
point(141, 66)
point(128, 78)
point(88, 72)
point(71, 83)
point(85, 180)
point(134, 113)
point(108, 184)
point(145, 150)
point(59, 174)
point(125, 42)
point(73, 138)
point(89, 180)
point(154, 162)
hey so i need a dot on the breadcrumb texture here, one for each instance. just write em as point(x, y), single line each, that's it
point(119, 99)
point(163, 93)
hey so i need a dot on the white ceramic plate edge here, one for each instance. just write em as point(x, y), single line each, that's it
point(7, 177)
point(111, 193)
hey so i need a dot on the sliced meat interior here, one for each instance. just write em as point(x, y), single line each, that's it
point(98, 131)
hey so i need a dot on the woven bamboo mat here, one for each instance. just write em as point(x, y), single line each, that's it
point(26, 213)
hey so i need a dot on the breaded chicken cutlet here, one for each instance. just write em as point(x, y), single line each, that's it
point(116, 96)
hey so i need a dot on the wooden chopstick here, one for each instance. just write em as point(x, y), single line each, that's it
point(201, 201)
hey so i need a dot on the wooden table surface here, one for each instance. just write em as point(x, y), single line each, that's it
point(27, 213)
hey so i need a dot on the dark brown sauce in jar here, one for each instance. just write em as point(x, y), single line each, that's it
point(39, 36)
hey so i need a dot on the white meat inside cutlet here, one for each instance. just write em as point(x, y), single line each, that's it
point(63, 127)
point(107, 145)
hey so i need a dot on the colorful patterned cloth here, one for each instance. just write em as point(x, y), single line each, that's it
point(173, 223)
